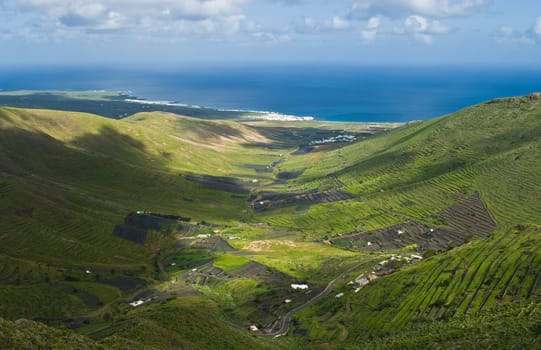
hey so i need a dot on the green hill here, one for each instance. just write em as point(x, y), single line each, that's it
point(249, 208)
point(67, 180)
point(421, 169)
point(189, 323)
point(420, 180)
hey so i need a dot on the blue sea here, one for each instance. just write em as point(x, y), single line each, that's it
point(326, 92)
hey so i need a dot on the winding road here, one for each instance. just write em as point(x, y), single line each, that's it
point(285, 321)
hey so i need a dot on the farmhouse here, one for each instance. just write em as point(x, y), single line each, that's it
point(299, 286)
point(362, 281)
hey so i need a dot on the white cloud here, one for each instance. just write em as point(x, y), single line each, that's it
point(150, 20)
point(537, 27)
point(402, 8)
point(368, 34)
point(186, 8)
point(132, 15)
point(506, 30)
point(311, 25)
point(421, 28)
point(421, 24)
point(509, 35)
point(373, 23)
point(339, 23)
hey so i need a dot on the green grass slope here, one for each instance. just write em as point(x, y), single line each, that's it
point(414, 174)
point(420, 169)
point(188, 323)
point(29, 335)
point(479, 279)
point(66, 180)
point(191, 324)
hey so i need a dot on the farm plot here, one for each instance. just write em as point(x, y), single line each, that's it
point(465, 221)
point(333, 195)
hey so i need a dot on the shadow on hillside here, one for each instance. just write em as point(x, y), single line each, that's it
point(113, 136)
point(109, 142)
point(108, 161)
point(208, 131)
point(290, 136)
point(19, 149)
point(99, 155)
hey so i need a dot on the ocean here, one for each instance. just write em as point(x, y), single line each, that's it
point(326, 92)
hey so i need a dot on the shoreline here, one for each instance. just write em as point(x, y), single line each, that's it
point(250, 114)
point(256, 115)
point(129, 97)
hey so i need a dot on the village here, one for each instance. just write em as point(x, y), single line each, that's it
point(334, 139)
point(383, 268)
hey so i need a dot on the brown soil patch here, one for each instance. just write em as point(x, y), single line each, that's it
point(466, 220)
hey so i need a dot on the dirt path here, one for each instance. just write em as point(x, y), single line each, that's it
point(285, 321)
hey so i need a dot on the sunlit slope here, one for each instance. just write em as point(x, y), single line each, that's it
point(494, 279)
point(208, 147)
point(416, 171)
point(415, 174)
point(67, 178)
point(423, 150)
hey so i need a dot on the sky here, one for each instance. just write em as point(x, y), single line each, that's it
point(176, 32)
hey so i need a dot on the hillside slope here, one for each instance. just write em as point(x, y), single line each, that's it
point(191, 323)
point(423, 168)
point(67, 179)
point(444, 213)
point(418, 185)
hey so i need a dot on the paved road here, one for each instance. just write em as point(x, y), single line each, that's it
point(286, 320)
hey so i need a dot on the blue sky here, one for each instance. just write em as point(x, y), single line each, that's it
point(175, 32)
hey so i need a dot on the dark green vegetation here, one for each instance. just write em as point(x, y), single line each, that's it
point(107, 104)
point(249, 208)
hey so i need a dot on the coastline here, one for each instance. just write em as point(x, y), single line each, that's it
point(249, 114)
point(254, 117)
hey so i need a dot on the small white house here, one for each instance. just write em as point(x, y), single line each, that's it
point(299, 286)
point(137, 303)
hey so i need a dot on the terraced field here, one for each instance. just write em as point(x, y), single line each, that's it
point(482, 201)
point(262, 212)
point(477, 277)
point(263, 203)
point(463, 222)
